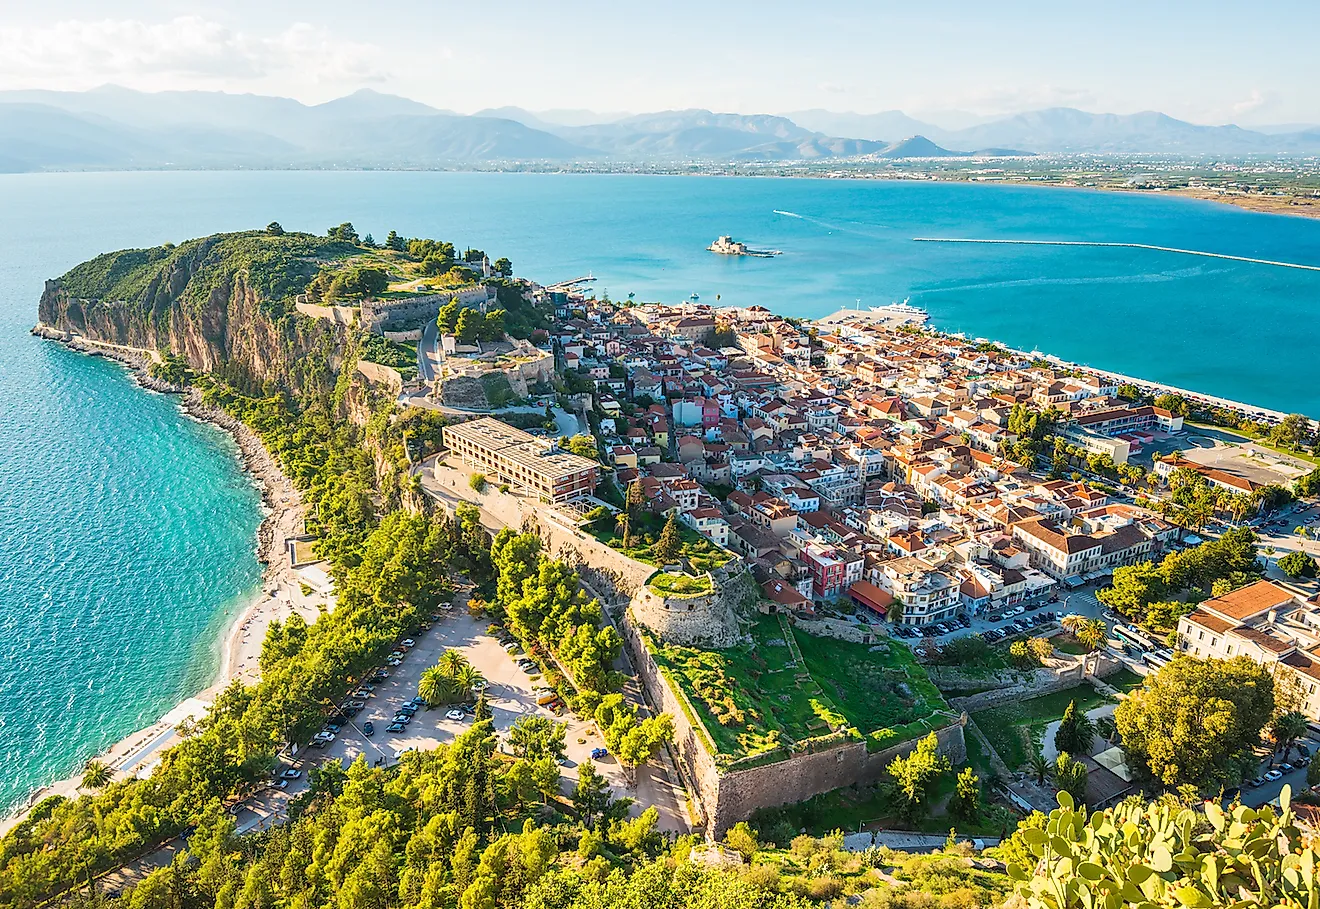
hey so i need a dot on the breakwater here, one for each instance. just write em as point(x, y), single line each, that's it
point(1118, 245)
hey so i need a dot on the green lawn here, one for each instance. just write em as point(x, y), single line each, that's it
point(883, 695)
point(680, 584)
point(1015, 729)
point(1125, 680)
point(753, 699)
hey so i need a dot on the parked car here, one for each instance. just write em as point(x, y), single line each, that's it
point(403, 718)
point(1287, 768)
point(1257, 782)
point(395, 662)
point(409, 643)
point(455, 715)
point(598, 753)
point(368, 728)
point(1273, 776)
point(395, 727)
point(291, 773)
point(407, 709)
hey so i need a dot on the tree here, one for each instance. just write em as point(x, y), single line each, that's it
point(1070, 775)
point(1090, 633)
point(643, 741)
point(468, 326)
point(1040, 768)
point(966, 801)
point(583, 446)
point(1134, 588)
point(1291, 431)
point(275, 229)
point(1041, 648)
point(481, 709)
point(435, 687)
point(478, 482)
point(1298, 565)
point(343, 232)
point(669, 545)
point(635, 500)
point(914, 773)
point(534, 736)
point(591, 796)
point(1313, 774)
point(743, 839)
point(395, 242)
point(492, 329)
point(503, 266)
point(1308, 485)
point(1075, 732)
point(1285, 729)
point(545, 777)
point(447, 319)
point(96, 775)
point(1193, 718)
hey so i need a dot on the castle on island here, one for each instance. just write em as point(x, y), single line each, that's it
point(727, 246)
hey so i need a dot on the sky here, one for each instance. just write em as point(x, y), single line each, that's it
point(1208, 62)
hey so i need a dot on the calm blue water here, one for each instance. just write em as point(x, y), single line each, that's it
point(126, 530)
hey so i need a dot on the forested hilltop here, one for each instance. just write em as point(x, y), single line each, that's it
point(468, 825)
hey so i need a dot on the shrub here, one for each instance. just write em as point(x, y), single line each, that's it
point(478, 482)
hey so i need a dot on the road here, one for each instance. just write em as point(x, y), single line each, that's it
point(428, 355)
point(1254, 798)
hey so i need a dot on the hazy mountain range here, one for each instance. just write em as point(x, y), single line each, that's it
point(117, 128)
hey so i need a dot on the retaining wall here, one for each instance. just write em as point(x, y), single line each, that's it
point(724, 798)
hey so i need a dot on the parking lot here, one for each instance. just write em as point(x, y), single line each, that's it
point(1000, 624)
point(1264, 790)
point(510, 695)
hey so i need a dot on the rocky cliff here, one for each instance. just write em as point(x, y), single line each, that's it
point(224, 303)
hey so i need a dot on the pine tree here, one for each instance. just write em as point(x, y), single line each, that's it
point(669, 545)
point(482, 710)
point(1075, 731)
point(635, 500)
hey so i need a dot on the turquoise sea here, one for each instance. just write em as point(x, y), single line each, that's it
point(126, 530)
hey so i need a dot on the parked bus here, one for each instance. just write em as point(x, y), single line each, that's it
point(1134, 638)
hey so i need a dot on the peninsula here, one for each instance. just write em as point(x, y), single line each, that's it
point(674, 570)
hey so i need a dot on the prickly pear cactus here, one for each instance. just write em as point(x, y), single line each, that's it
point(1155, 855)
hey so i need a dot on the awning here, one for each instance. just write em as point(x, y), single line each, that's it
point(864, 593)
point(1073, 580)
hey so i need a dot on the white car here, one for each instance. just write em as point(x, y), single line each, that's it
point(402, 751)
point(1274, 776)
point(456, 715)
point(394, 662)
point(409, 642)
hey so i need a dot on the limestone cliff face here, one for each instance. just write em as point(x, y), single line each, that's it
point(197, 305)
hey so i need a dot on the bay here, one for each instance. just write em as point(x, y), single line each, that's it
point(127, 530)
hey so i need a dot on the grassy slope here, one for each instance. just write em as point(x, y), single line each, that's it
point(1015, 729)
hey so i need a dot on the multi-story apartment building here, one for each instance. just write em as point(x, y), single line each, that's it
point(928, 594)
point(1266, 624)
point(532, 465)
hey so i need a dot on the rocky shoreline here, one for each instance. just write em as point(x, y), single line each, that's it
point(277, 492)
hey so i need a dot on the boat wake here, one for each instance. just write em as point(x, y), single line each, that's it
point(790, 214)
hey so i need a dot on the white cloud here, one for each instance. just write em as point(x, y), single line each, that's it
point(78, 53)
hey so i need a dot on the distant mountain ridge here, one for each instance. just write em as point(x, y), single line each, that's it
point(118, 128)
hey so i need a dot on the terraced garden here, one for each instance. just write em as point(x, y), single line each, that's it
point(786, 687)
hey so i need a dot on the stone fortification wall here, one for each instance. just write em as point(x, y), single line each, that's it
point(378, 374)
point(726, 797)
point(376, 314)
point(340, 315)
point(704, 621)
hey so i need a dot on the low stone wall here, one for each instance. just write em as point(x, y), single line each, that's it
point(1040, 682)
point(398, 337)
point(839, 630)
point(726, 797)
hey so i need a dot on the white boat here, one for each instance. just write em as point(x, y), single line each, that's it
point(901, 309)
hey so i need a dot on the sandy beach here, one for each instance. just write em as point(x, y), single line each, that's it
point(240, 650)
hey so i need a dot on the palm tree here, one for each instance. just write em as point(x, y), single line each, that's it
point(451, 661)
point(1090, 633)
point(96, 775)
point(435, 686)
point(466, 679)
point(1286, 729)
point(1040, 768)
